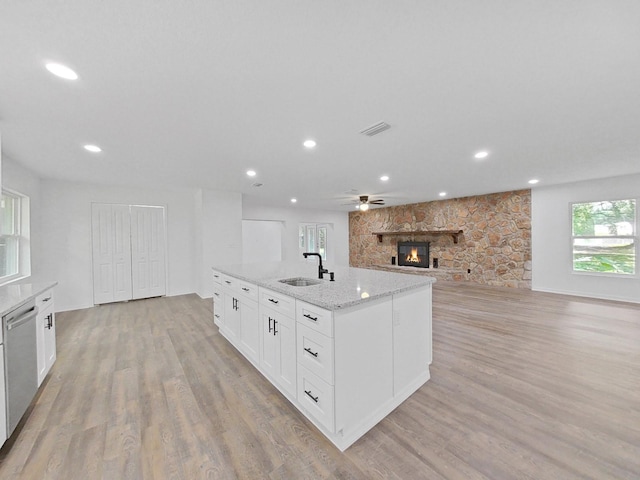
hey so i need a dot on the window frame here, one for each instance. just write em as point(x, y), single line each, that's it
point(21, 234)
point(633, 237)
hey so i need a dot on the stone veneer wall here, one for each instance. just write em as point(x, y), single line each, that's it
point(495, 244)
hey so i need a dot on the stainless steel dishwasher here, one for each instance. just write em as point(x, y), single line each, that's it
point(20, 361)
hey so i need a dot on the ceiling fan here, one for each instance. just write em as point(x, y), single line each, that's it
point(364, 202)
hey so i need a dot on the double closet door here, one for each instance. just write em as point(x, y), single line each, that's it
point(128, 252)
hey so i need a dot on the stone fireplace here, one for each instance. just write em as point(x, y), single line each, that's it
point(413, 254)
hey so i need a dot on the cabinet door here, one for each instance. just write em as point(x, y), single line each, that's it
point(50, 340)
point(40, 334)
point(269, 356)
point(278, 355)
point(285, 332)
point(249, 328)
point(231, 325)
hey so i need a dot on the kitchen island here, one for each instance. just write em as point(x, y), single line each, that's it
point(344, 352)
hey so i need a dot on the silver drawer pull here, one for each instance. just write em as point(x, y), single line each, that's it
point(245, 289)
point(227, 282)
point(315, 319)
point(315, 399)
point(216, 294)
point(273, 301)
point(46, 299)
point(308, 350)
point(217, 316)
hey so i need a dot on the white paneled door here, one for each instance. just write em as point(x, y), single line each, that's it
point(110, 230)
point(147, 251)
point(128, 252)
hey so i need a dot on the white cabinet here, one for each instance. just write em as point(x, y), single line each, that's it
point(278, 347)
point(45, 334)
point(3, 406)
point(241, 325)
point(344, 369)
point(218, 300)
point(249, 328)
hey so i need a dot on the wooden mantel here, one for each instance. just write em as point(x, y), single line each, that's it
point(454, 234)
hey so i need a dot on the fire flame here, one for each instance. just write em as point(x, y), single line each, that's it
point(413, 256)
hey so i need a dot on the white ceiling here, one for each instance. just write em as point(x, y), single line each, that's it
point(194, 93)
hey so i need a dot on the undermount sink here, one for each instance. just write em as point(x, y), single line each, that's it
point(300, 281)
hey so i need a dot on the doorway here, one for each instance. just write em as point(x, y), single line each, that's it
point(128, 245)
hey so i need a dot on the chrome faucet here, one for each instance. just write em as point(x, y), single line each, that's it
point(321, 269)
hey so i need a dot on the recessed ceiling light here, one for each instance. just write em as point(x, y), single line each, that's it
point(384, 178)
point(443, 194)
point(482, 154)
point(61, 71)
point(251, 173)
point(533, 181)
point(93, 148)
point(294, 200)
point(309, 143)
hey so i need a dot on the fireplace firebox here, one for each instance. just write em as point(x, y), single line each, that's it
point(413, 254)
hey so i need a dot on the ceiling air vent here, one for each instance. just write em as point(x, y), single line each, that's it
point(375, 129)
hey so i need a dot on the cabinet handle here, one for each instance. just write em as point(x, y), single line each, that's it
point(216, 294)
point(216, 276)
point(46, 299)
point(315, 399)
point(275, 332)
point(308, 350)
point(315, 319)
point(227, 282)
point(270, 320)
point(273, 301)
point(216, 315)
point(235, 303)
point(49, 324)
point(245, 289)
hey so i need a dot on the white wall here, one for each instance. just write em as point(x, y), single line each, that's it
point(261, 241)
point(220, 219)
point(551, 239)
point(66, 236)
point(338, 235)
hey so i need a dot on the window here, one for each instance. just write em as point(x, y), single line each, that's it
point(604, 237)
point(14, 229)
point(313, 238)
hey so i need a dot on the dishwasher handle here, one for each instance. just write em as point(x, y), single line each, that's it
point(24, 318)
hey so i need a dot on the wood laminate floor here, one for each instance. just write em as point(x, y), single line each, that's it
point(524, 385)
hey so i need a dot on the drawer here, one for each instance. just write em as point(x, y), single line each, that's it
point(315, 352)
point(217, 277)
point(218, 293)
point(249, 290)
point(218, 306)
point(316, 398)
point(317, 318)
point(278, 302)
point(228, 282)
point(44, 300)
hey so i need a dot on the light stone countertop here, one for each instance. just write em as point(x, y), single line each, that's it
point(351, 287)
point(16, 294)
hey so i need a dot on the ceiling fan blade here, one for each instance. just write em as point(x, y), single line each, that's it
point(377, 202)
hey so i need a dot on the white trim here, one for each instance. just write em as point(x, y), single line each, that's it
point(584, 295)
